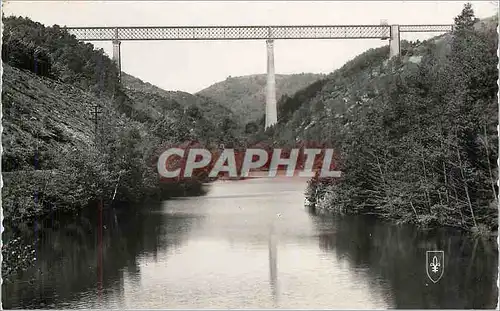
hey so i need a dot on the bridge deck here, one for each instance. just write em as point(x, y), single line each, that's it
point(246, 32)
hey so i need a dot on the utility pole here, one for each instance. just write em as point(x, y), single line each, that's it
point(96, 112)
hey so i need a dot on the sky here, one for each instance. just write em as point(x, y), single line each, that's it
point(194, 65)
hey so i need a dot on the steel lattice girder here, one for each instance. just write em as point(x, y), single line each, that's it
point(245, 32)
point(425, 28)
point(229, 32)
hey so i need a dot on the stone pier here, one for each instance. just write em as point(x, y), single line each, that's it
point(394, 42)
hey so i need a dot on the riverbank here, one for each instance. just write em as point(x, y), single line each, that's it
point(322, 199)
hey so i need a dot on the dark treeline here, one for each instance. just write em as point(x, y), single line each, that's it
point(416, 134)
point(395, 254)
point(53, 52)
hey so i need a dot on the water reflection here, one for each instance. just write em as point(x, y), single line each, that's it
point(67, 268)
point(235, 249)
point(396, 256)
point(273, 267)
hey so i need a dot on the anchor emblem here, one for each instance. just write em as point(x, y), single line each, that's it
point(435, 266)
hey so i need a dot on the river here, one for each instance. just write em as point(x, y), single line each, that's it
point(251, 244)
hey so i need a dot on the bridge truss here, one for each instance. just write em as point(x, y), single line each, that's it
point(246, 32)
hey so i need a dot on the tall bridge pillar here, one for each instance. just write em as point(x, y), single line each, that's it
point(116, 53)
point(116, 56)
point(271, 110)
point(394, 42)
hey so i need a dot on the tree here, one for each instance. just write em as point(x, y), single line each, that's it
point(466, 20)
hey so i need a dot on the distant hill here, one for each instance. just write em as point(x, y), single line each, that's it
point(246, 95)
point(211, 109)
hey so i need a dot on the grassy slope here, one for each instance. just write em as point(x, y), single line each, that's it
point(42, 112)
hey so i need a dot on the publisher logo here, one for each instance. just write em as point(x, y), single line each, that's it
point(434, 265)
